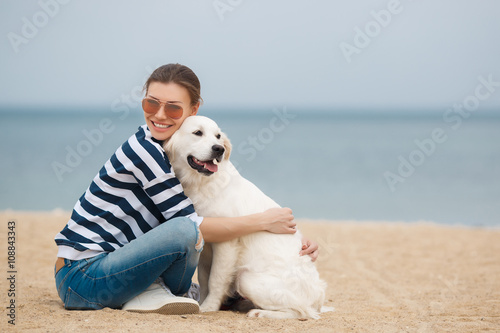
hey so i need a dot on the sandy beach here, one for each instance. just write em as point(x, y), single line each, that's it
point(382, 277)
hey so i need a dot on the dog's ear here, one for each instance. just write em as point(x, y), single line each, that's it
point(227, 146)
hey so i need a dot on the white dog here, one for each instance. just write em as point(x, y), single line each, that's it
point(263, 267)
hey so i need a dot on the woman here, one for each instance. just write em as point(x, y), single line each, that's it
point(134, 239)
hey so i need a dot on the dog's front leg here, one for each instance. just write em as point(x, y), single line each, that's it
point(225, 256)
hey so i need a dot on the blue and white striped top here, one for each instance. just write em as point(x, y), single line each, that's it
point(134, 192)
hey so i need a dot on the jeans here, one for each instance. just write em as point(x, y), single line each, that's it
point(171, 251)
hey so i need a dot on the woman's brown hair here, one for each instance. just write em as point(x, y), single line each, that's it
point(179, 74)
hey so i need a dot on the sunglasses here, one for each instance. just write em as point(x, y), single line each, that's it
point(150, 105)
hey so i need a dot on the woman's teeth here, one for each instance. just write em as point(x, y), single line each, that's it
point(161, 125)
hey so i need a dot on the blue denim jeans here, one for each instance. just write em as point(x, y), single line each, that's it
point(170, 251)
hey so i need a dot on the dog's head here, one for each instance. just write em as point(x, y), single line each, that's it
point(198, 145)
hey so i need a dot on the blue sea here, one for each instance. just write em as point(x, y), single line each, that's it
point(399, 166)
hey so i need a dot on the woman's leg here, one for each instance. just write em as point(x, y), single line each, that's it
point(170, 250)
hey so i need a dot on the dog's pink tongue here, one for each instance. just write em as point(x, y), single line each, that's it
point(210, 166)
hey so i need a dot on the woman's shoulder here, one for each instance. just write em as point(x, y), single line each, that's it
point(144, 138)
point(143, 144)
point(143, 134)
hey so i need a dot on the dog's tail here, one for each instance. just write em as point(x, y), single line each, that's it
point(295, 305)
point(297, 300)
point(317, 291)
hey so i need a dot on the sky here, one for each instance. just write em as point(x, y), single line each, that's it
point(330, 55)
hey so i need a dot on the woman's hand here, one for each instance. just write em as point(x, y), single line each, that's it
point(309, 247)
point(278, 221)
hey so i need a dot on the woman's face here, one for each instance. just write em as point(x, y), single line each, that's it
point(162, 126)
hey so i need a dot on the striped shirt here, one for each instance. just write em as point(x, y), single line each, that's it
point(135, 191)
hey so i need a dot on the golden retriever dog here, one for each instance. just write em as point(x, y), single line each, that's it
point(264, 267)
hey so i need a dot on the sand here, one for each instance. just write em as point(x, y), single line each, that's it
point(382, 277)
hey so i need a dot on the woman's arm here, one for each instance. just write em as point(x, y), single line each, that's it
point(221, 229)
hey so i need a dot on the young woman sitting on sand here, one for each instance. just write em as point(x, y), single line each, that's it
point(134, 239)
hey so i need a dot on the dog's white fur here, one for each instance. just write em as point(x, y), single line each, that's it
point(264, 267)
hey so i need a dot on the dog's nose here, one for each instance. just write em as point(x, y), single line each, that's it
point(218, 149)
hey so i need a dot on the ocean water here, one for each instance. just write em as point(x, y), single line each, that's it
point(335, 166)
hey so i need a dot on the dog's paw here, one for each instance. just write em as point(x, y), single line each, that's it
point(208, 307)
point(255, 313)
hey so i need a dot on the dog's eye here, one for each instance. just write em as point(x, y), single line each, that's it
point(218, 136)
point(199, 133)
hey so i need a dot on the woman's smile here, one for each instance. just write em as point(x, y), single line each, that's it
point(160, 126)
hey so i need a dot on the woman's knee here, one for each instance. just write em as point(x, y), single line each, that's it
point(187, 233)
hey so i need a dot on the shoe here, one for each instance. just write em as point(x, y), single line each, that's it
point(159, 299)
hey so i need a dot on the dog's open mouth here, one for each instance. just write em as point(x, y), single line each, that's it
point(205, 167)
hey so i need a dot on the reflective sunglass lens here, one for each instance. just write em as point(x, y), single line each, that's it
point(174, 111)
point(150, 105)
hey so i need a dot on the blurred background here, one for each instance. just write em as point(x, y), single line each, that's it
point(365, 110)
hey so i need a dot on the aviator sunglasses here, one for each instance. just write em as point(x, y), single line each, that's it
point(150, 105)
